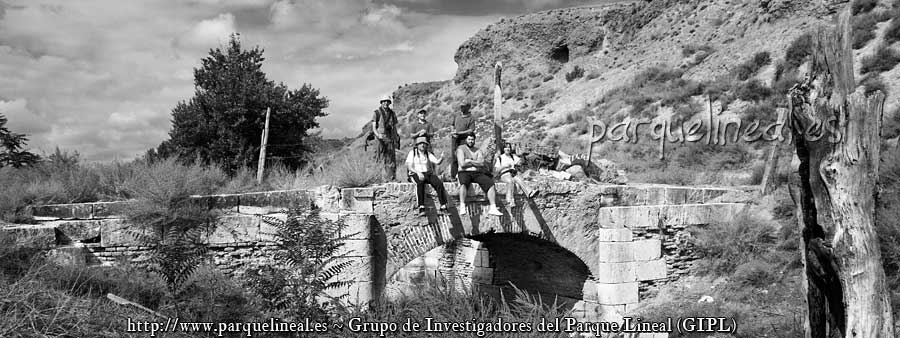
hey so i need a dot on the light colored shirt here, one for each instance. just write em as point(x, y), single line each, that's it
point(464, 153)
point(417, 161)
point(505, 162)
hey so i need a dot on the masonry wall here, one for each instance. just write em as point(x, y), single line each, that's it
point(590, 221)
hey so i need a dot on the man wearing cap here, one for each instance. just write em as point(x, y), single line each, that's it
point(421, 163)
point(421, 128)
point(463, 126)
point(384, 127)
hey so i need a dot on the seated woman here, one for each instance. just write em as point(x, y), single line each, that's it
point(506, 165)
point(421, 165)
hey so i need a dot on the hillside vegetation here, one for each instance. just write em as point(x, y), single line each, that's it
point(650, 58)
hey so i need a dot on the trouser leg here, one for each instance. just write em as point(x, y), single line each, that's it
point(420, 189)
point(453, 161)
point(438, 187)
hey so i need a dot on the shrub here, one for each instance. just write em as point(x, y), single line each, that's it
point(748, 68)
point(728, 244)
point(863, 29)
point(576, 72)
point(883, 60)
point(753, 90)
point(891, 128)
point(308, 251)
point(799, 49)
point(873, 82)
point(892, 34)
point(863, 6)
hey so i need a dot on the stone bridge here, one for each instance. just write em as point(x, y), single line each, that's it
point(594, 245)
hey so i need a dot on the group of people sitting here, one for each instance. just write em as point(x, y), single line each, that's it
point(468, 164)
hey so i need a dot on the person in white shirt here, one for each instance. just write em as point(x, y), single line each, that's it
point(421, 166)
point(505, 165)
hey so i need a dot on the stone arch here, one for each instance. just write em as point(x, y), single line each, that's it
point(499, 263)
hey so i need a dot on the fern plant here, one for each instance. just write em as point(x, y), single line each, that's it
point(307, 262)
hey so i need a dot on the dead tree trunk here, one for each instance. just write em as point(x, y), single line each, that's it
point(837, 132)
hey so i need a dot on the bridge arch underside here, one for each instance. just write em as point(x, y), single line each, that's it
point(495, 265)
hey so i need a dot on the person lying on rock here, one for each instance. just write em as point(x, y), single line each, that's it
point(473, 168)
point(505, 165)
point(421, 166)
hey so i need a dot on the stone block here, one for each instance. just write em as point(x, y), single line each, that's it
point(225, 201)
point(617, 294)
point(614, 252)
point(234, 229)
point(33, 236)
point(589, 290)
point(67, 256)
point(650, 270)
point(268, 231)
point(360, 269)
point(356, 248)
point(357, 226)
point(614, 235)
point(76, 231)
point(64, 211)
point(696, 214)
point(482, 275)
point(648, 249)
point(118, 232)
point(110, 209)
point(360, 200)
point(616, 272)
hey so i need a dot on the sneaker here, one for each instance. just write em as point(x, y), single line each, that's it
point(533, 193)
point(443, 209)
point(462, 209)
point(494, 211)
point(421, 211)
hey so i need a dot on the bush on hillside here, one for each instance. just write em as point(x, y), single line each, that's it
point(753, 90)
point(873, 82)
point(884, 59)
point(576, 72)
point(727, 244)
point(863, 29)
point(688, 50)
point(748, 68)
point(891, 128)
point(892, 34)
point(797, 52)
point(863, 6)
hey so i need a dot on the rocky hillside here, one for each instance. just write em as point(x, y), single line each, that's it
point(638, 58)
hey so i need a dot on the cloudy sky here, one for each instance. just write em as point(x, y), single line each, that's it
point(101, 76)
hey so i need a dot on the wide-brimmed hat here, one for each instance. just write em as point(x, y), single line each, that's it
point(421, 139)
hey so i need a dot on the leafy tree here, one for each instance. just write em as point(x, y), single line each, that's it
point(223, 123)
point(12, 146)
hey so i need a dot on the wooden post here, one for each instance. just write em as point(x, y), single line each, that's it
point(260, 168)
point(845, 283)
point(498, 103)
point(766, 185)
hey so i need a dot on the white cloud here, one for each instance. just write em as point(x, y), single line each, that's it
point(208, 33)
point(102, 77)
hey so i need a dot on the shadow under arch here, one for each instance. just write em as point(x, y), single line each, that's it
point(540, 267)
point(536, 265)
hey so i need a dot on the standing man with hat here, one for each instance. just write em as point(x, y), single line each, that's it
point(421, 128)
point(384, 126)
point(463, 126)
point(421, 163)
